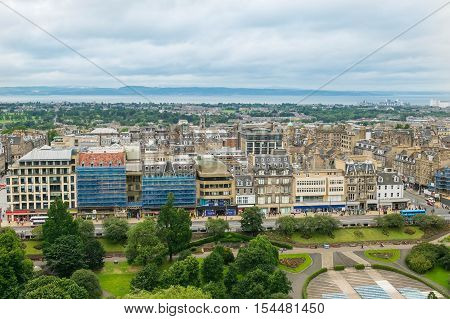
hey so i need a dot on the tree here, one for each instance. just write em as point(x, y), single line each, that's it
point(144, 245)
point(116, 230)
point(147, 279)
point(217, 227)
point(174, 226)
point(37, 233)
point(212, 268)
point(15, 268)
point(51, 287)
point(85, 228)
point(252, 220)
point(89, 281)
point(59, 222)
point(217, 290)
point(279, 283)
point(226, 254)
point(260, 253)
point(65, 255)
point(325, 225)
point(287, 225)
point(174, 292)
point(390, 221)
point(93, 253)
point(51, 134)
point(254, 285)
point(231, 277)
point(429, 222)
point(182, 273)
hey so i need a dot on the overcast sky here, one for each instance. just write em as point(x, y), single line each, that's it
point(264, 44)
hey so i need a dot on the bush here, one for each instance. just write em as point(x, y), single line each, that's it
point(359, 266)
point(358, 233)
point(308, 280)
point(182, 255)
point(425, 256)
point(146, 279)
point(419, 263)
point(37, 233)
point(339, 267)
point(429, 222)
point(226, 253)
point(89, 281)
point(409, 231)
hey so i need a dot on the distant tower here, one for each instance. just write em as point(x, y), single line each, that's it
point(202, 121)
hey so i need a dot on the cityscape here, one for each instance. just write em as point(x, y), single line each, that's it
point(296, 154)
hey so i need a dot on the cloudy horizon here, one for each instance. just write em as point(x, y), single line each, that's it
point(253, 44)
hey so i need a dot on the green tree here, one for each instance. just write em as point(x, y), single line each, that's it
point(254, 285)
point(212, 268)
point(390, 221)
point(174, 226)
point(89, 281)
point(174, 292)
point(252, 220)
point(85, 228)
point(37, 233)
point(287, 225)
point(59, 222)
point(325, 225)
point(260, 253)
point(217, 290)
point(116, 230)
point(93, 253)
point(279, 283)
point(217, 227)
point(231, 277)
point(15, 268)
point(147, 279)
point(419, 263)
point(226, 254)
point(144, 245)
point(51, 134)
point(50, 287)
point(182, 273)
point(429, 222)
point(65, 255)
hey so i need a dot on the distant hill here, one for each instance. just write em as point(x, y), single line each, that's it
point(198, 91)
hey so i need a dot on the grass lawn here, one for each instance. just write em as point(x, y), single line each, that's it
point(348, 235)
point(439, 275)
point(110, 247)
point(386, 255)
point(30, 247)
point(115, 278)
point(302, 266)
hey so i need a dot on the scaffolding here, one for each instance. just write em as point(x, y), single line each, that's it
point(155, 190)
point(101, 187)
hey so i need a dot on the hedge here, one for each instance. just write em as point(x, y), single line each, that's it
point(308, 280)
point(359, 266)
point(339, 267)
point(233, 238)
point(407, 274)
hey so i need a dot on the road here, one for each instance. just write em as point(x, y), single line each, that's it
point(417, 199)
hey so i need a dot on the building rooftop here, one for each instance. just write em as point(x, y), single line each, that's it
point(47, 153)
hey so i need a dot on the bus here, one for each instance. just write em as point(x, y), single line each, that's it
point(38, 220)
point(410, 213)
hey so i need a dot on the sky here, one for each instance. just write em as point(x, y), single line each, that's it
point(226, 43)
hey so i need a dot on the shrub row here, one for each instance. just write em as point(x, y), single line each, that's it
point(233, 238)
point(359, 266)
point(407, 274)
point(308, 280)
point(339, 267)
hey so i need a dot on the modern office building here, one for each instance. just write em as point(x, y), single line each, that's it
point(319, 190)
point(37, 179)
point(215, 189)
point(260, 140)
point(442, 181)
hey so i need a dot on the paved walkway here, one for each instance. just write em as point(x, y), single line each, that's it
point(343, 284)
point(355, 257)
point(327, 259)
point(384, 284)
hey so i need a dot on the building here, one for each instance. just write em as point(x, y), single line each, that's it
point(442, 181)
point(160, 178)
point(37, 179)
point(133, 167)
point(360, 184)
point(273, 181)
point(390, 191)
point(245, 193)
point(319, 190)
point(215, 189)
point(260, 140)
point(76, 141)
point(102, 182)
